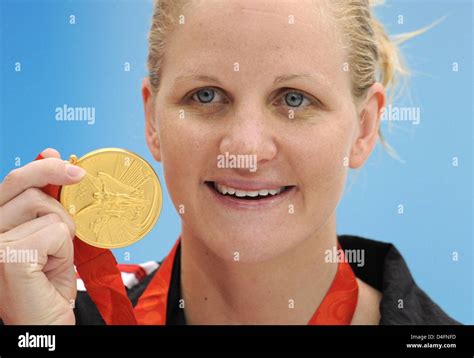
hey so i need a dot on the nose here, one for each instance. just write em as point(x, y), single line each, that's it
point(250, 133)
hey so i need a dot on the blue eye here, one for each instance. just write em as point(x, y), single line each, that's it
point(295, 99)
point(204, 95)
point(209, 95)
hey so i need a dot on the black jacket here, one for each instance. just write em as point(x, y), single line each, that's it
point(403, 302)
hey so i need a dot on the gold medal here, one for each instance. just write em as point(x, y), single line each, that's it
point(117, 202)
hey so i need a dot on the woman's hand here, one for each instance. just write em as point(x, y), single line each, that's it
point(41, 288)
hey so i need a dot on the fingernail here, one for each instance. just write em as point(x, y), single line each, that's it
point(74, 171)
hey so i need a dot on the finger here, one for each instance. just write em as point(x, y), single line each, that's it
point(50, 153)
point(38, 174)
point(27, 277)
point(28, 228)
point(29, 205)
point(51, 240)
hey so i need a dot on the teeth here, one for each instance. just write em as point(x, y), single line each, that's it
point(274, 192)
point(242, 193)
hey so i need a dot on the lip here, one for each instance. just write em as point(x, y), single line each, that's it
point(267, 202)
point(249, 185)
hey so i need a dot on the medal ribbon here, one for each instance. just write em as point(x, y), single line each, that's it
point(337, 307)
point(98, 269)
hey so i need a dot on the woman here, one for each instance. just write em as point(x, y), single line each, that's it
point(297, 88)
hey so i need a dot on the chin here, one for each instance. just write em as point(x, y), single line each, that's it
point(253, 245)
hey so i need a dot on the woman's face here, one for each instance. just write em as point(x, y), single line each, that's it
point(266, 81)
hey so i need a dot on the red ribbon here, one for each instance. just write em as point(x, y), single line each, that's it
point(337, 307)
point(339, 303)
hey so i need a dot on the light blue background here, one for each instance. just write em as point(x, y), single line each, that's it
point(83, 65)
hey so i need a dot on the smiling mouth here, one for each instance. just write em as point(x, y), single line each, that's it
point(260, 194)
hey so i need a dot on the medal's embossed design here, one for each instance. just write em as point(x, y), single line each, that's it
point(118, 201)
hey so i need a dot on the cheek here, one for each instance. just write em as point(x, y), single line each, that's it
point(321, 164)
point(185, 150)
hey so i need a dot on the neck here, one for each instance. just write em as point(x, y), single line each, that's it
point(284, 290)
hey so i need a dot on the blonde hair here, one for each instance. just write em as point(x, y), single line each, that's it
point(372, 55)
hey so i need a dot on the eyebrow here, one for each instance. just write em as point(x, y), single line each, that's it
point(279, 79)
point(319, 78)
point(201, 78)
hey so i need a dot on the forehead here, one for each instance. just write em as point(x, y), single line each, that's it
point(265, 37)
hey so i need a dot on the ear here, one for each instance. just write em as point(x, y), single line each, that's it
point(151, 123)
point(369, 113)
